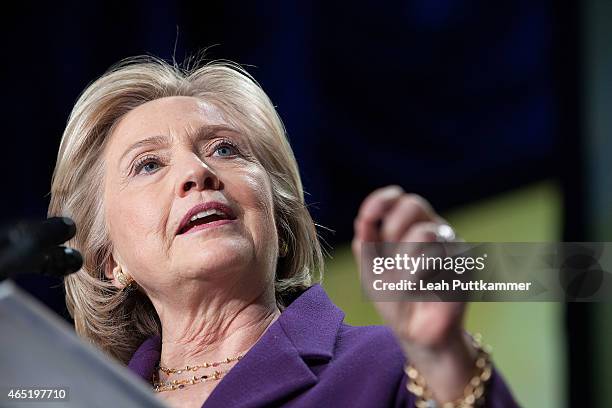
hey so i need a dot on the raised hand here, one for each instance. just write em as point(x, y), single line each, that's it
point(431, 333)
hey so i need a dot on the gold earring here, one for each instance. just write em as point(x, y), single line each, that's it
point(124, 279)
point(283, 249)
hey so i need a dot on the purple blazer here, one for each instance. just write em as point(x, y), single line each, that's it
point(310, 358)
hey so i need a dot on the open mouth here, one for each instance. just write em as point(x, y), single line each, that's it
point(204, 217)
point(199, 218)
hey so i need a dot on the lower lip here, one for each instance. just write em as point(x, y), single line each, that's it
point(208, 225)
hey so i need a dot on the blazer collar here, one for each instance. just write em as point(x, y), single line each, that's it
point(278, 364)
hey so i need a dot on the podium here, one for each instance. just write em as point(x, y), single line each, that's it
point(40, 352)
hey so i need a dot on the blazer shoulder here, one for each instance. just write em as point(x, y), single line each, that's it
point(376, 342)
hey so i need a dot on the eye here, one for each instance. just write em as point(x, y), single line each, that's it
point(225, 149)
point(150, 167)
point(147, 165)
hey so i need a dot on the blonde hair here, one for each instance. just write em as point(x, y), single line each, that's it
point(118, 321)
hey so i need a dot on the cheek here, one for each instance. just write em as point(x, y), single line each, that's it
point(252, 191)
point(137, 224)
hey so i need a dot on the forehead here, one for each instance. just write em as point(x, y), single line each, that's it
point(174, 115)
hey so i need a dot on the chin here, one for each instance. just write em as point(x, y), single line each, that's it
point(221, 256)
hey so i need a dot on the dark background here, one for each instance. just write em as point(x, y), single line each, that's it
point(454, 100)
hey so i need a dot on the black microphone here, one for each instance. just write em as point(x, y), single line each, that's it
point(32, 247)
point(40, 234)
point(60, 261)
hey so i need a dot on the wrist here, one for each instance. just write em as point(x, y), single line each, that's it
point(446, 367)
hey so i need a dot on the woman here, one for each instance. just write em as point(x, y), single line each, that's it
point(200, 255)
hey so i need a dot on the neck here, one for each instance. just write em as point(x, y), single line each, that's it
point(217, 328)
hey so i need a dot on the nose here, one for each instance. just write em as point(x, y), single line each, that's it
point(196, 175)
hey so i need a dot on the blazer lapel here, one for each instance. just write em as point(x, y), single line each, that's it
point(277, 366)
point(271, 370)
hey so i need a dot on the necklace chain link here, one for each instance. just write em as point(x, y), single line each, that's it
point(172, 385)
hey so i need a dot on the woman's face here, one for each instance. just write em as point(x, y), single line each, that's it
point(186, 200)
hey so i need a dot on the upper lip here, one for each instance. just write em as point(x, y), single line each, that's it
point(204, 207)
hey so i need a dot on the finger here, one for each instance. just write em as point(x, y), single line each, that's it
point(409, 209)
point(423, 234)
point(427, 232)
point(372, 211)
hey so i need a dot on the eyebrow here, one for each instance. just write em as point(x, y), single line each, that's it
point(203, 132)
point(208, 131)
point(158, 140)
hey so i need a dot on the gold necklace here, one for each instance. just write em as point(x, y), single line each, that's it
point(180, 384)
point(161, 386)
point(170, 371)
point(172, 385)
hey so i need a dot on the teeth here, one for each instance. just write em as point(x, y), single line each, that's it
point(212, 211)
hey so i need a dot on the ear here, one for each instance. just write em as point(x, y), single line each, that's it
point(109, 273)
